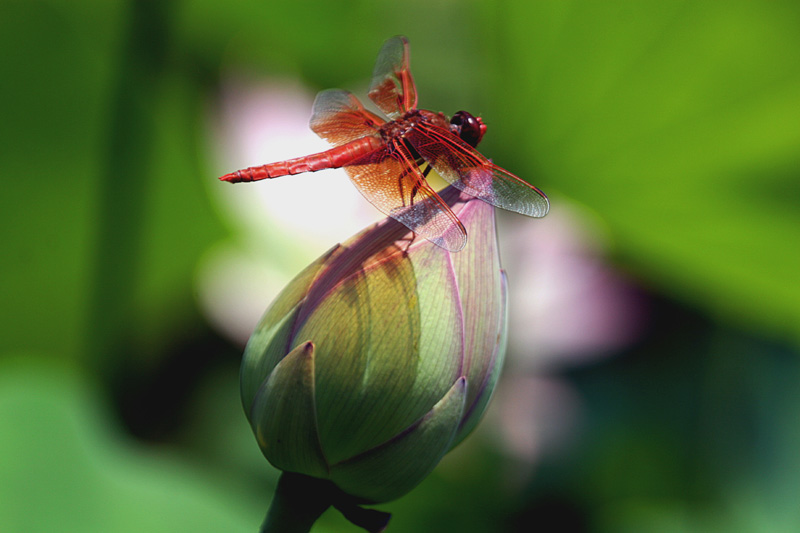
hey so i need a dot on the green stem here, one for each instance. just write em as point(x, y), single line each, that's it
point(298, 502)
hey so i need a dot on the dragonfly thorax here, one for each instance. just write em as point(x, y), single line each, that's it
point(397, 129)
point(463, 125)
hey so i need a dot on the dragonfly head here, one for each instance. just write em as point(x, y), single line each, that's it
point(469, 128)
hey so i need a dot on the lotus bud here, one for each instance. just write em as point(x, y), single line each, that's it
point(380, 356)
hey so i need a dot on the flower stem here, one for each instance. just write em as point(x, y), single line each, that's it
point(298, 502)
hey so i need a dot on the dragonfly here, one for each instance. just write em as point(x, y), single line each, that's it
point(388, 161)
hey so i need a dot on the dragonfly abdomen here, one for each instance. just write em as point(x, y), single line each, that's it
point(337, 157)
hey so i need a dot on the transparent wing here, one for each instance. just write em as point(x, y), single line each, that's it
point(392, 87)
point(465, 168)
point(391, 181)
point(338, 117)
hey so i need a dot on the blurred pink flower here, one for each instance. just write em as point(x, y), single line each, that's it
point(535, 415)
point(567, 306)
point(268, 121)
point(259, 122)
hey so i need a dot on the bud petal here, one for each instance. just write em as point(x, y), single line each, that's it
point(285, 405)
point(484, 385)
point(482, 290)
point(267, 346)
point(392, 469)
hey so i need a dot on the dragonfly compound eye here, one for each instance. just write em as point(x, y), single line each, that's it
point(468, 128)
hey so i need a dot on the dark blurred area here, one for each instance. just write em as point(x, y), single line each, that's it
point(653, 365)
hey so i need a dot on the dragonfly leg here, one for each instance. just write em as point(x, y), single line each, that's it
point(415, 189)
point(400, 187)
point(426, 170)
point(408, 241)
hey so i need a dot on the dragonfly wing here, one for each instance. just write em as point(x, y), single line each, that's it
point(392, 87)
point(391, 181)
point(468, 170)
point(338, 117)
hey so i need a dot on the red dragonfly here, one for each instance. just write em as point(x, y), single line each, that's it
point(388, 162)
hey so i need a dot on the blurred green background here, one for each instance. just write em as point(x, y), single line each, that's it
point(677, 124)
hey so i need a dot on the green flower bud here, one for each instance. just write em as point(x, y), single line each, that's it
point(380, 356)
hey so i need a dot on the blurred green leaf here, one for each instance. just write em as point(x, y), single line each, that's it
point(52, 103)
point(676, 122)
point(58, 132)
point(689, 433)
point(66, 467)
